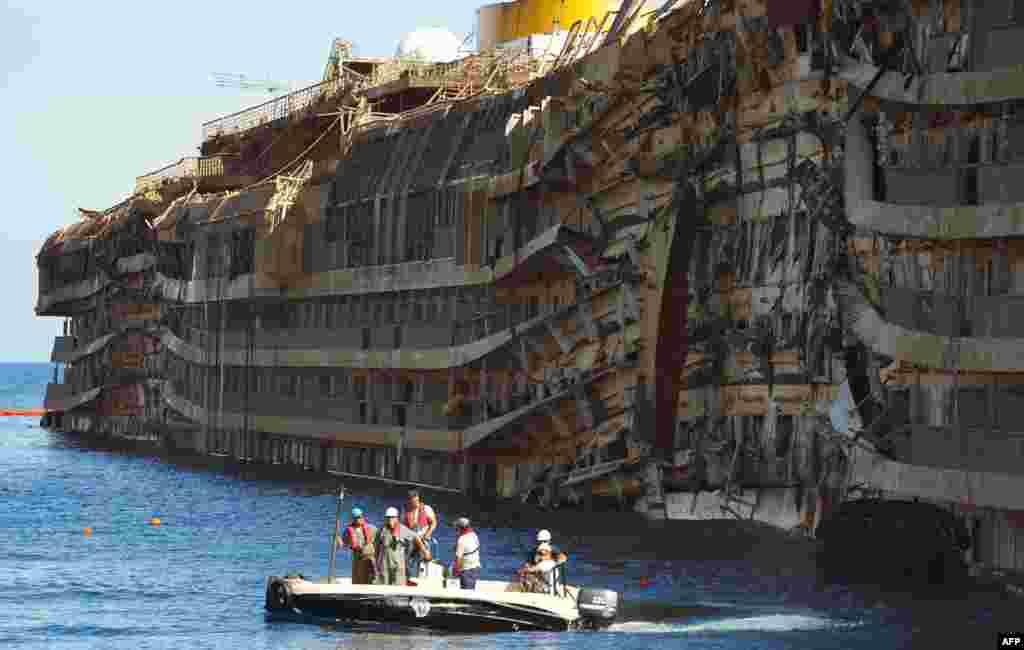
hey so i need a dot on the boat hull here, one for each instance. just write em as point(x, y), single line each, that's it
point(449, 610)
point(449, 616)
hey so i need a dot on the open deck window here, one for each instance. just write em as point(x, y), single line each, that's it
point(972, 404)
point(398, 415)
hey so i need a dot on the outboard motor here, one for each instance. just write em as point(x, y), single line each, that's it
point(279, 596)
point(598, 607)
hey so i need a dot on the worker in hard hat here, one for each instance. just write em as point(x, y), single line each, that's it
point(544, 571)
point(544, 537)
point(539, 576)
point(467, 554)
point(360, 536)
point(395, 543)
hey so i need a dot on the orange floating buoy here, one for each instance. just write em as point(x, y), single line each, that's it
point(88, 531)
point(21, 412)
point(155, 521)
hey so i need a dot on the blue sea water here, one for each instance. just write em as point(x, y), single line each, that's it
point(197, 580)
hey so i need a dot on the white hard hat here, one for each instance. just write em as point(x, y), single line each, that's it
point(391, 512)
point(544, 536)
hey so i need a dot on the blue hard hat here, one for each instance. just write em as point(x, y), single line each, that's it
point(357, 512)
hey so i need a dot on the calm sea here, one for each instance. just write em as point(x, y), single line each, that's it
point(198, 580)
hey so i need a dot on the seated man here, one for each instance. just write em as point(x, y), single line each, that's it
point(422, 520)
point(544, 537)
point(539, 576)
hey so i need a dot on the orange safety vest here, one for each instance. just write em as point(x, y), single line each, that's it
point(423, 520)
point(352, 535)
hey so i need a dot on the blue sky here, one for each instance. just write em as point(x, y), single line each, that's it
point(94, 94)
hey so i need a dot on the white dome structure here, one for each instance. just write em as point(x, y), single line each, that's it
point(433, 44)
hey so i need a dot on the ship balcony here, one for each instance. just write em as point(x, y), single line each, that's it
point(220, 173)
point(462, 77)
point(150, 369)
point(328, 421)
point(949, 89)
point(422, 346)
point(925, 348)
point(954, 176)
point(500, 427)
point(61, 397)
point(286, 108)
point(558, 249)
point(211, 174)
point(63, 298)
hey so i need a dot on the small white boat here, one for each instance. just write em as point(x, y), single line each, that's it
point(494, 606)
point(432, 601)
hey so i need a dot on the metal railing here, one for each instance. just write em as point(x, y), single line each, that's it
point(181, 169)
point(469, 69)
point(283, 107)
point(189, 167)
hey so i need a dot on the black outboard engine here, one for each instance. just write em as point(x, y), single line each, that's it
point(598, 607)
point(279, 596)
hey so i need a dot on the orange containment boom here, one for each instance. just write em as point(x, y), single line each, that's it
point(22, 412)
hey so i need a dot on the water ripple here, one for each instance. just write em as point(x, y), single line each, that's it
point(83, 631)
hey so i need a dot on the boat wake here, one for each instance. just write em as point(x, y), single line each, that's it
point(763, 623)
point(639, 610)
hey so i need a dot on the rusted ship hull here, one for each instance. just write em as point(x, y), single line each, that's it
point(710, 260)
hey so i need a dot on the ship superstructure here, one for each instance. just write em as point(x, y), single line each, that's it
point(718, 259)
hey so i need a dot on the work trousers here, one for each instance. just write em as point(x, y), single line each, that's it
point(392, 576)
point(415, 561)
point(468, 578)
point(362, 570)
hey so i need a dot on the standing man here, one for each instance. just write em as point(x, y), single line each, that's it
point(420, 518)
point(395, 543)
point(359, 536)
point(467, 554)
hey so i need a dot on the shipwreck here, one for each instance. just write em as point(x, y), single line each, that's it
point(709, 259)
